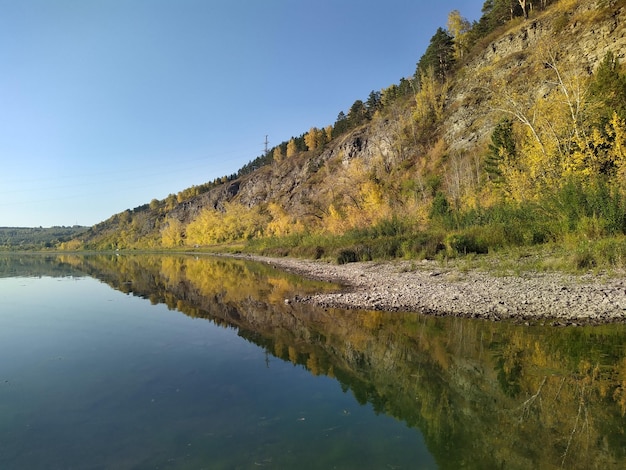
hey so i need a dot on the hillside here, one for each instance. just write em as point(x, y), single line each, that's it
point(37, 237)
point(511, 133)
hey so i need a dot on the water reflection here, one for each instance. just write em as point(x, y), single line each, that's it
point(484, 395)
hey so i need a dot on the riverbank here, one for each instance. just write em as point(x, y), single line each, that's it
point(427, 287)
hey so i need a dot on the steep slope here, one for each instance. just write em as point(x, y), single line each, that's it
point(415, 148)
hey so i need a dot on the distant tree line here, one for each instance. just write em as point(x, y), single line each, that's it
point(37, 237)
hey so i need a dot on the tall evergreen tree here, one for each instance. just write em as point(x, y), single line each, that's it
point(439, 55)
point(495, 13)
point(608, 88)
point(502, 147)
point(341, 124)
point(357, 114)
point(373, 102)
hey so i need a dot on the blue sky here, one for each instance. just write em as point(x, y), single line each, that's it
point(107, 104)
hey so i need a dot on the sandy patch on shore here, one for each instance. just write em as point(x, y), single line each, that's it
point(426, 287)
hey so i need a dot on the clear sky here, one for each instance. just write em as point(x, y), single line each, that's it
point(107, 104)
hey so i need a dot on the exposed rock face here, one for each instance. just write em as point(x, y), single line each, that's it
point(514, 63)
point(470, 108)
point(291, 183)
point(574, 38)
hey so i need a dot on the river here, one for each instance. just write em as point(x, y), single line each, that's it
point(175, 361)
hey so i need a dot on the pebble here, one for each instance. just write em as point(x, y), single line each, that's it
point(561, 299)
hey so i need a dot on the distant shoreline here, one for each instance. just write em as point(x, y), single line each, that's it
point(547, 298)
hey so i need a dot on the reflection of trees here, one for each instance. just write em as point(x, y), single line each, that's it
point(485, 395)
point(29, 264)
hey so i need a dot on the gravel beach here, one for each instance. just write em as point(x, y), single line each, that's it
point(427, 287)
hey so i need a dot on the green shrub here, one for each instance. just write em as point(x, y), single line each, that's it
point(347, 256)
point(466, 242)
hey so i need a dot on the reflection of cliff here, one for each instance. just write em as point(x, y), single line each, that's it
point(485, 395)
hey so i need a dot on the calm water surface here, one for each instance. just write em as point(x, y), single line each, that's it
point(186, 362)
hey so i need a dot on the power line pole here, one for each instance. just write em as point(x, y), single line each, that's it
point(266, 149)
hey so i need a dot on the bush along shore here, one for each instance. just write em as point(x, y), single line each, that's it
point(429, 287)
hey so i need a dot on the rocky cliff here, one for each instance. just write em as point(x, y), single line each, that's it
point(518, 61)
point(582, 36)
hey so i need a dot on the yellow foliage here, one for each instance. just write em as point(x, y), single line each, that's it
point(334, 222)
point(328, 131)
point(236, 222)
point(556, 142)
point(312, 138)
point(291, 148)
point(71, 245)
point(616, 130)
point(171, 233)
point(361, 200)
point(430, 99)
point(281, 223)
point(278, 154)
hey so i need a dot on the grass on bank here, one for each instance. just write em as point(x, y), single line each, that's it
point(574, 255)
point(577, 231)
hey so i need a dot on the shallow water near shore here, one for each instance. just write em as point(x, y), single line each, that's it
point(119, 361)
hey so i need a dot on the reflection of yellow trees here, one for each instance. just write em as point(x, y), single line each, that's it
point(293, 354)
point(619, 394)
point(532, 397)
point(312, 364)
point(279, 349)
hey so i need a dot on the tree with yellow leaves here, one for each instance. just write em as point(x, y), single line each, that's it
point(459, 28)
point(328, 131)
point(312, 138)
point(281, 223)
point(171, 233)
point(292, 149)
point(277, 154)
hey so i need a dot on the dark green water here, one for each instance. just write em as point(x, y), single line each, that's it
point(185, 362)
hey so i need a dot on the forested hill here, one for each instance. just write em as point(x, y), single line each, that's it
point(512, 132)
point(37, 237)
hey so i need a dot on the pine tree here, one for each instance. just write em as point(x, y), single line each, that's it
point(341, 124)
point(608, 87)
point(373, 102)
point(357, 114)
point(502, 148)
point(439, 56)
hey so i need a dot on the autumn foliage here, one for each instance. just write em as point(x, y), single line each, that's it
point(394, 176)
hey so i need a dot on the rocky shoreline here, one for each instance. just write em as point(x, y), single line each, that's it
point(427, 287)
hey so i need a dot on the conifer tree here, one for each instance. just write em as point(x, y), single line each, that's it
point(341, 124)
point(357, 114)
point(373, 102)
point(439, 56)
point(502, 148)
point(608, 87)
